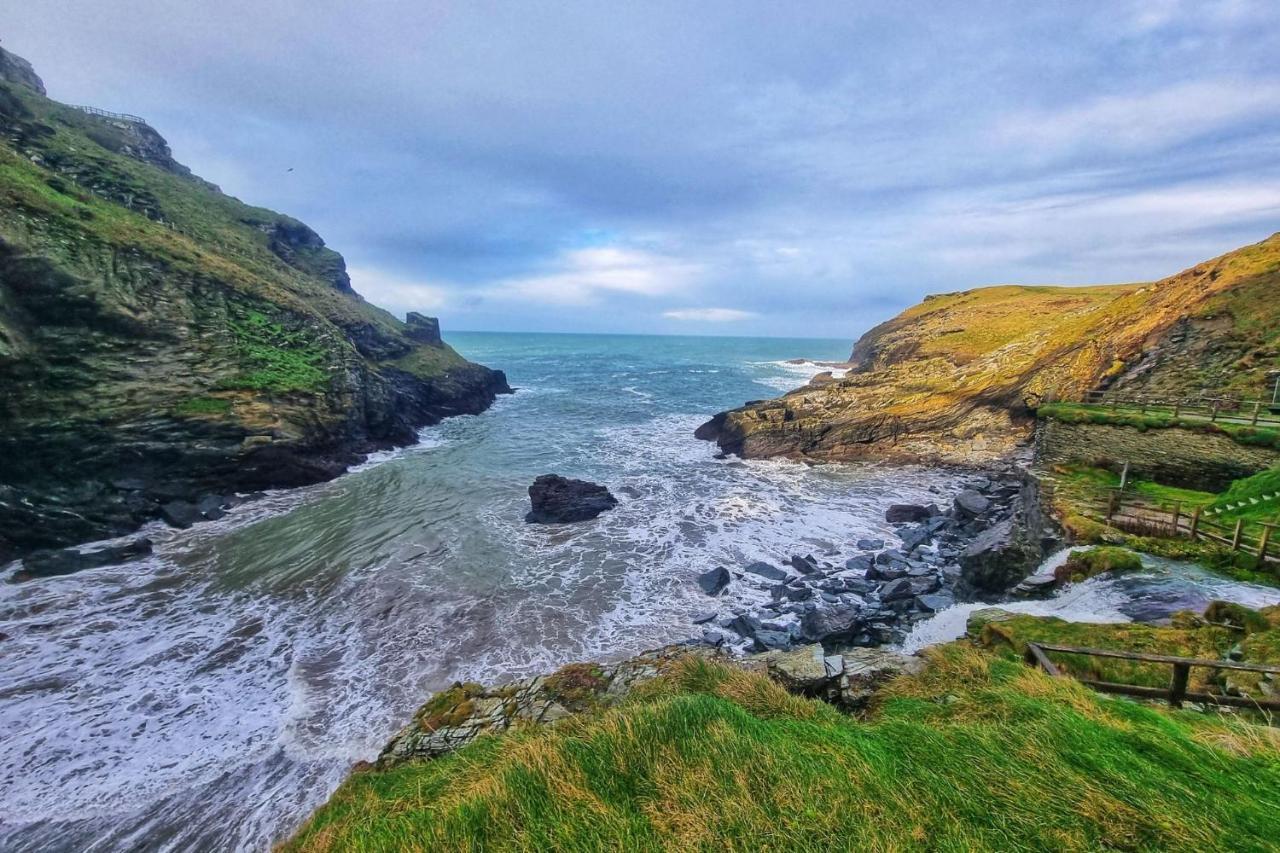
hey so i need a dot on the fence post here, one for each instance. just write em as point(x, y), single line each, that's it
point(1177, 408)
point(1177, 516)
point(1113, 504)
point(1124, 476)
point(1214, 416)
point(1195, 523)
point(1257, 407)
point(1235, 539)
point(1267, 527)
point(1178, 686)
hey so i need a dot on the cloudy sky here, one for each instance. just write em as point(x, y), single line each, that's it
point(705, 167)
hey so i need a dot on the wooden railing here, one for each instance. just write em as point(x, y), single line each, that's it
point(1176, 693)
point(1257, 539)
point(1213, 409)
point(94, 111)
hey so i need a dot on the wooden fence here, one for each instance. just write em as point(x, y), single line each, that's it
point(1257, 539)
point(94, 111)
point(1213, 409)
point(1176, 693)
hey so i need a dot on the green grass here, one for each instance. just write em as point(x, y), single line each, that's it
point(1086, 563)
point(1087, 481)
point(1080, 413)
point(978, 753)
point(277, 359)
point(1256, 487)
point(198, 406)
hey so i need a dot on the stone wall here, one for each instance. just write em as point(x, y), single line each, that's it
point(1174, 457)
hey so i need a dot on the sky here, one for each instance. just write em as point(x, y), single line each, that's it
point(741, 167)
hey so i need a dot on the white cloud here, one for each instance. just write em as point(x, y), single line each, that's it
point(583, 275)
point(383, 288)
point(1162, 117)
point(708, 315)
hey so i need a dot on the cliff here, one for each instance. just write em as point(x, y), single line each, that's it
point(954, 378)
point(163, 344)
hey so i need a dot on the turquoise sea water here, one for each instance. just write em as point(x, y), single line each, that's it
point(211, 695)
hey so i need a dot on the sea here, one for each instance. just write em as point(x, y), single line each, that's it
point(211, 695)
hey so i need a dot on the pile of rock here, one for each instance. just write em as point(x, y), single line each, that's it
point(872, 594)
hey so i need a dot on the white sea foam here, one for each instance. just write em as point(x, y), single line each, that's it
point(789, 375)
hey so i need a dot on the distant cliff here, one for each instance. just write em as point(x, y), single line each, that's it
point(953, 378)
point(163, 344)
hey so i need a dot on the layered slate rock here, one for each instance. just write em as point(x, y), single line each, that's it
point(560, 500)
point(957, 377)
point(458, 715)
point(162, 343)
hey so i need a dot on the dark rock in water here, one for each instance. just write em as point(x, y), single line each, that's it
point(714, 581)
point(903, 513)
point(891, 572)
point(713, 638)
point(745, 626)
point(831, 623)
point(804, 565)
point(924, 585)
point(995, 560)
point(44, 564)
point(181, 514)
point(915, 537)
point(896, 590)
point(766, 571)
point(767, 639)
point(559, 500)
point(791, 593)
point(860, 563)
point(704, 616)
point(934, 602)
point(889, 558)
point(936, 523)
point(971, 504)
point(870, 544)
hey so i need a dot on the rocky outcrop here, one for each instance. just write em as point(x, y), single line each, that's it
point(164, 347)
point(955, 378)
point(559, 500)
point(16, 70)
point(864, 594)
point(458, 715)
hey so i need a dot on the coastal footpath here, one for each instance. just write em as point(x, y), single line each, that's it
point(165, 347)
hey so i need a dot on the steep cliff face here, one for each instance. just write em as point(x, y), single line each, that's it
point(953, 378)
point(161, 341)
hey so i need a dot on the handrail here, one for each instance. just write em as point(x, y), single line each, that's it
point(94, 111)
point(1175, 693)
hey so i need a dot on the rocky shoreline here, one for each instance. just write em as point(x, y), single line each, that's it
point(182, 496)
point(987, 538)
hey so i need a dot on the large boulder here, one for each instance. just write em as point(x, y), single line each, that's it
point(559, 500)
point(971, 504)
point(831, 623)
point(996, 560)
point(714, 581)
point(905, 513)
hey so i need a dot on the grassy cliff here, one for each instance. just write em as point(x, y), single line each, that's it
point(955, 377)
point(978, 752)
point(162, 341)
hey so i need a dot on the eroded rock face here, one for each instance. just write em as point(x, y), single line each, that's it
point(560, 500)
point(207, 348)
point(954, 379)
